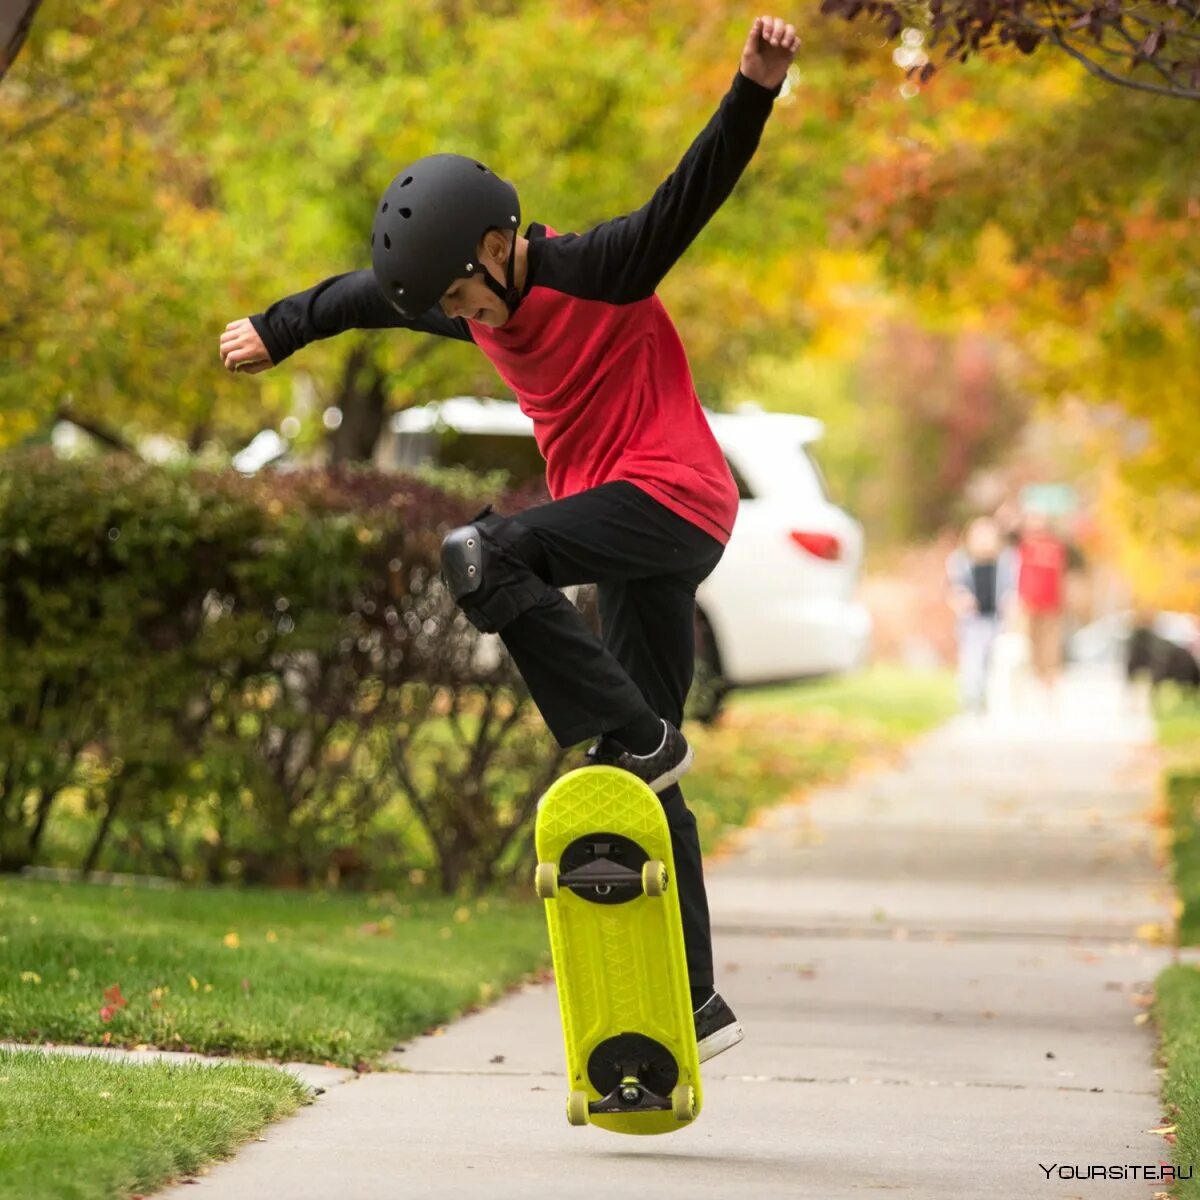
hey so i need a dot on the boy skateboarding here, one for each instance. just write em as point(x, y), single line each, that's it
point(643, 501)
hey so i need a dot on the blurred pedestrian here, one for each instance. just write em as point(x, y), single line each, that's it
point(1043, 566)
point(981, 576)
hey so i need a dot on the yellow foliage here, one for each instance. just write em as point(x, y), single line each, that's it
point(1155, 537)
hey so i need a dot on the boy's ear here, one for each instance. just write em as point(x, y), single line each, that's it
point(497, 244)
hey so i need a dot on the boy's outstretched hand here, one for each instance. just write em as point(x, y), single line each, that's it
point(769, 51)
point(242, 350)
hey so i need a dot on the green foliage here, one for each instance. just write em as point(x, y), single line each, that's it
point(1183, 809)
point(234, 679)
point(183, 167)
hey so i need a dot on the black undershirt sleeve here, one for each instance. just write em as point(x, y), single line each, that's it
point(351, 301)
point(624, 260)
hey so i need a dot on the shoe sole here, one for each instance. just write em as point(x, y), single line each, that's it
point(675, 774)
point(720, 1040)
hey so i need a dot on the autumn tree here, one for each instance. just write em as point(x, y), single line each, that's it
point(181, 166)
point(1148, 47)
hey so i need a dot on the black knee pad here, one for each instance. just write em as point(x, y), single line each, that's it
point(488, 580)
point(462, 561)
point(463, 554)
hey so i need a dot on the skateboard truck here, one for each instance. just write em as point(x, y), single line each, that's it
point(632, 1073)
point(603, 874)
point(631, 1095)
point(605, 868)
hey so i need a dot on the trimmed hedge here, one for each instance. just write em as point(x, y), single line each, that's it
point(219, 678)
point(1183, 804)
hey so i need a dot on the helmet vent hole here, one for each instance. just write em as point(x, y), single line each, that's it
point(384, 208)
point(482, 167)
point(387, 241)
point(407, 181)
point(406, 213)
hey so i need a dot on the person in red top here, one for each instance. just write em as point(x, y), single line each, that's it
point(643, 501)
point(1043, 568)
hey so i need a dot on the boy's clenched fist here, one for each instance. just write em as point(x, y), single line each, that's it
point(769, 51)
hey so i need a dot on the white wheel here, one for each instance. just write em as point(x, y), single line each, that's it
point(683, 1103)
point(654, 877)
point(577, 1108)
point(545, 881)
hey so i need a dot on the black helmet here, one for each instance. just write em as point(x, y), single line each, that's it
point(428, 227)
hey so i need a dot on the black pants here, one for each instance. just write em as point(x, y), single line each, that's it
point(647, 564)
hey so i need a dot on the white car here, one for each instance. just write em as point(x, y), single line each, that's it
point(780, 604)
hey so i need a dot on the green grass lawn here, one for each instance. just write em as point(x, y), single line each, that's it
point(888, 701)
point(321, 977)
point(1177, 989)
point(1178, 719)
point(318, 977)
point(91, 1130)
point(775, 743)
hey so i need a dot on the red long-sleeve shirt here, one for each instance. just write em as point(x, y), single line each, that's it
point(590, 352)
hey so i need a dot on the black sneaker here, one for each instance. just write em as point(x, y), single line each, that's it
point(667, 765)
point(716, 1027)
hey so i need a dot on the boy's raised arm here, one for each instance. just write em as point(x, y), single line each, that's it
point(342, 302)
point(624, 260)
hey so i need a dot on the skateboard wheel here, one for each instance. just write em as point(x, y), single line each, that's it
point(577, 1108)
point(683, 1102)
point(545, 881)
point(654, 877)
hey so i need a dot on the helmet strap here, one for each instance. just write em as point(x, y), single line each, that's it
point(507, 291)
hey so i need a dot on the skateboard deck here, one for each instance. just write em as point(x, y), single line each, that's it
point(607, 876)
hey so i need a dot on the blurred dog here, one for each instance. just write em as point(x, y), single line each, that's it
point(1148, 654)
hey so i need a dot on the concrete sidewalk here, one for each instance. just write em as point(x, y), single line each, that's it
point(938, 972)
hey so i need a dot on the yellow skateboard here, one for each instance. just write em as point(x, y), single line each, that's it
point(607, 875)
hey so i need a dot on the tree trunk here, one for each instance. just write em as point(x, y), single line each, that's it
point(116, 791)
point(361, 398)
